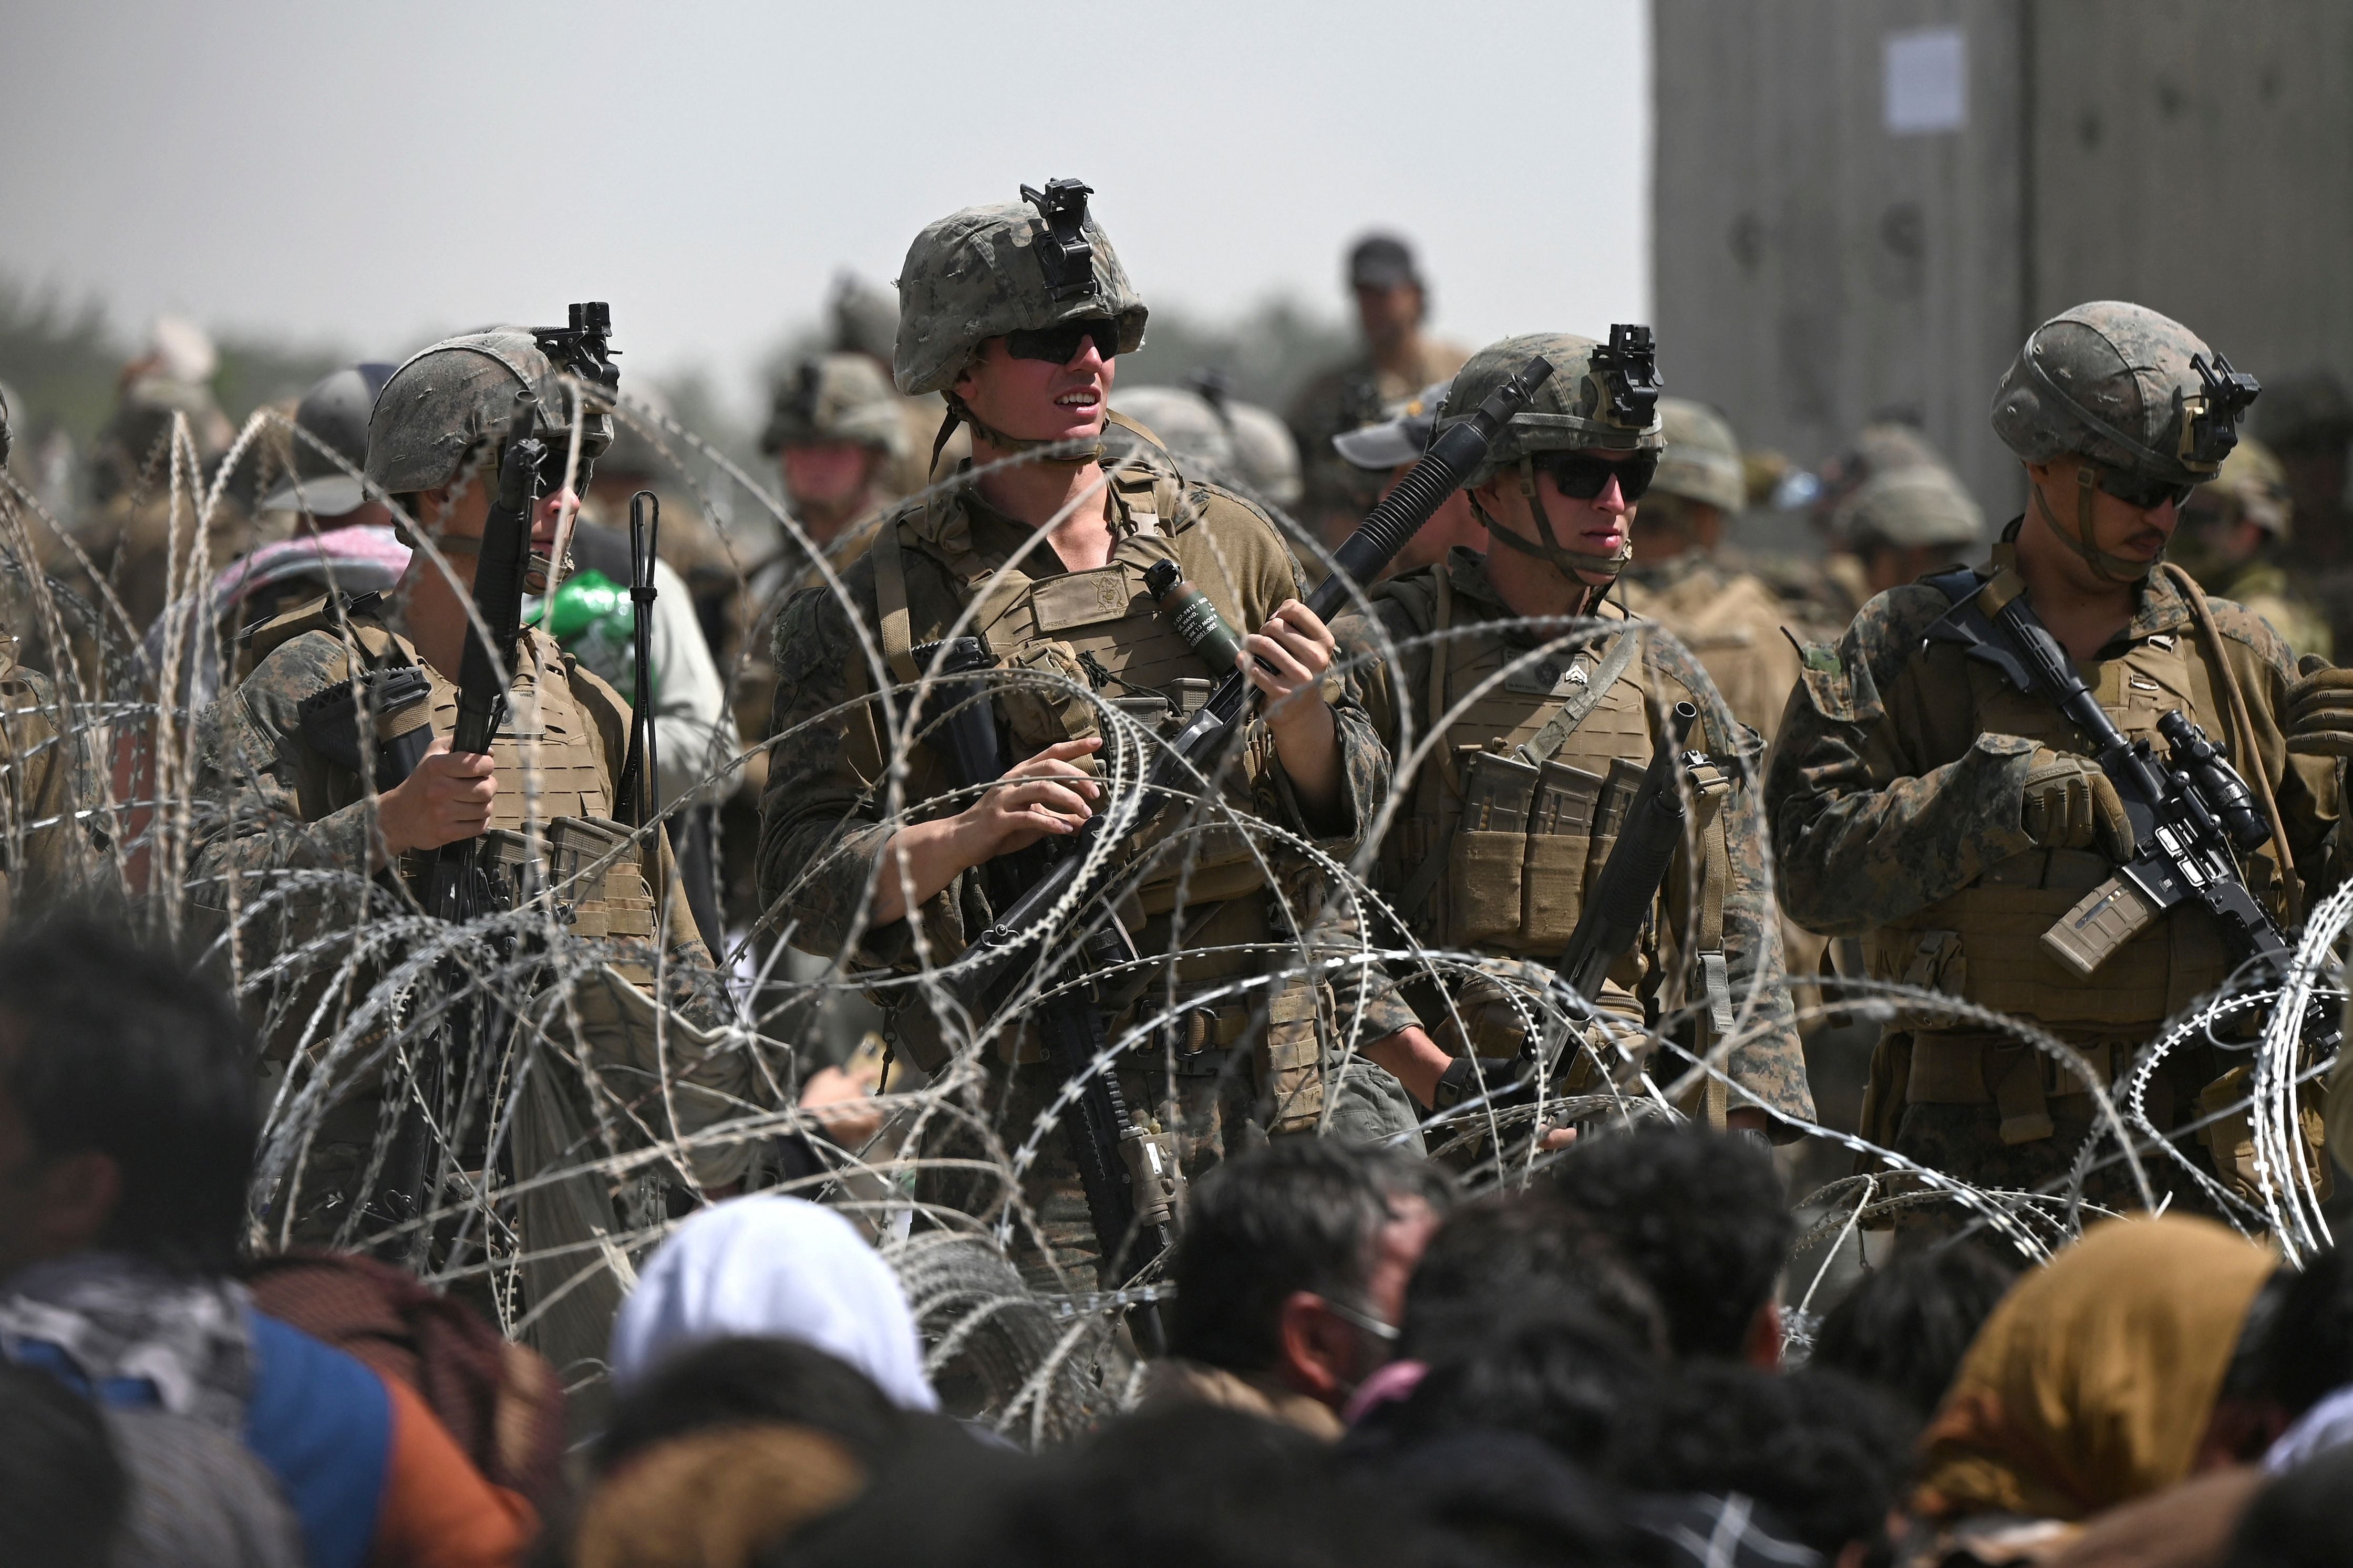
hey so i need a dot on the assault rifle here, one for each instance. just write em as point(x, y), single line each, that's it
point(457, 887)
point(1131, 1175)
point(2191, 814)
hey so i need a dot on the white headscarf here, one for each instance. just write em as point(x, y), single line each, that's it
point(776, 1268)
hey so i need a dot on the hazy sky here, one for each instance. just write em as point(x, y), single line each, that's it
point(365, 174)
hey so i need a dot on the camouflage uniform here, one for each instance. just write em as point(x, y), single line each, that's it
point(1509, 883)
point(52, 844)
point(1899, 797)
point(1730, 620)
point(279, 796)
point(1336, 493)
point(1244, 1066)
point(2252, 487)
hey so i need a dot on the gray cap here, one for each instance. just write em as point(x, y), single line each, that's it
point(1382, 261)
point(1401, 436)
point(333, 412)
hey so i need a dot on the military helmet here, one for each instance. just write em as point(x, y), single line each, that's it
point(865, 318)
point(1917, 504)
point(1600, 396)
point(2129, 389)
point(1186, 427)
point(1009, 267)
point(835, 397)
point(461, 395)
point(1701, 459)
point(334, 414)
point(2252, 487)
point(1266, 451)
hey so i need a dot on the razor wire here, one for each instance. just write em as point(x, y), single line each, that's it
point(115, 788)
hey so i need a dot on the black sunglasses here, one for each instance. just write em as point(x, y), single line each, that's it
point(2139, 491)
point(1060, 345)
point(1581, 476)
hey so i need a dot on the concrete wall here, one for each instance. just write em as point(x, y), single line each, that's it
point(1815, 269)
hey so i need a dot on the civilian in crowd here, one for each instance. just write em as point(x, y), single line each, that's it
point(63, 1493)
point(776, 1267)
point(2089, 1387)
point(2300, 1519)
point(1827, 1456)
point(128, 1124)
point(1702, 1219)
point(1291, 1278)
point(1905, 1327)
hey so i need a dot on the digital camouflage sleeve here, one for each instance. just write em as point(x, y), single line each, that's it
point(1885, 800)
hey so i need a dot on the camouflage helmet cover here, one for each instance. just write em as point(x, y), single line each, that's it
point(2252, 487)
point(461, 395)
point(1184, 424)
point(835, 397)
point(1581, 406)
point(2125, 387)
point(1701, 459)
point(1918, 504)
point(990, 271)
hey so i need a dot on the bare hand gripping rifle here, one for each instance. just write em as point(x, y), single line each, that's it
point(1130, 1174)
point(2192, 815)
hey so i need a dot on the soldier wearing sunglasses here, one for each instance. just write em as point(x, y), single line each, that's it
point(1017, 313)
point(1548, 698)
point(1923, 804)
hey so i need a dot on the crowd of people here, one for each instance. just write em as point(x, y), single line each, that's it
point(537, 1027)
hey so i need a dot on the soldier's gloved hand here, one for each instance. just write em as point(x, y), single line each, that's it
point(2320, 717)
point(2071, 805)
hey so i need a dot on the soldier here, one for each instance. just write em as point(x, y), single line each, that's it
point(1556, 498)
point(1730, 620)
point(1219, 437)
point(1898, 526)
point(1392, 303)
point(2234, 528)
point(50, 843)
point(288, 796)
point(1015, 312)
point(837, 433)
point(866, 324)
point(1879, 447)
point(1391, 449)
point(1922, 802)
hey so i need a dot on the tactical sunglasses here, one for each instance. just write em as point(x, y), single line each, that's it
point(1582, 476)
point(2139, 491)
point(1060, 345)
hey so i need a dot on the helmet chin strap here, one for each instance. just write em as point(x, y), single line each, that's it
point(1551, 549)
point(1018, 445)
point(2111, 567)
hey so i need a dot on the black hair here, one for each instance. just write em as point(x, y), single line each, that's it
point(2296, 1344)
point(63, 1491)
point(2300, 1519)
point(1178, 1488)
point(1299, 1215)
point(1827, 1453)
point(1905, 1328)
point(114, 1046)
point(733, 1380)
point(1550, 1372)
point(1699, 1216)
point(1495, 1255)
